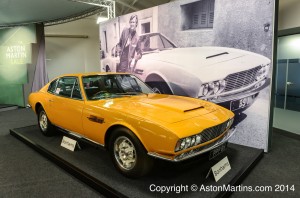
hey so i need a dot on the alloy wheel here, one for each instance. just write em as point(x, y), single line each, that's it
point(43, 121)
point(125, 153)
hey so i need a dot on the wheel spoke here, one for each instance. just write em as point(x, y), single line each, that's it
point(128, 163)
point(130, 149)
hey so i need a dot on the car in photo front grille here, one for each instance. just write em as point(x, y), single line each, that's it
point(229, 77)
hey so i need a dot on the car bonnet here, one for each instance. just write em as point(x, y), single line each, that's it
point(163, 108)
point(208, 63)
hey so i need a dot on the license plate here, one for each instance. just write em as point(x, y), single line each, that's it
point(239, 104)
point(217, 151)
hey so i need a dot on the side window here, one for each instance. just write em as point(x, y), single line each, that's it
point(52, 86)
point(68, 87)
point(94, 85)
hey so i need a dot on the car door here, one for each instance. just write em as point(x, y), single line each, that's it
point(96, 116)
point(67, 104)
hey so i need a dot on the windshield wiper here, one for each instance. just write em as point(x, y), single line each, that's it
point(130, 93)
point(151, 51)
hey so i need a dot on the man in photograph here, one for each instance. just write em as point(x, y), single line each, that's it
point(129, 46)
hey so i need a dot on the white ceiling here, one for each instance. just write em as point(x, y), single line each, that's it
point(13, 12)
point(19, 12)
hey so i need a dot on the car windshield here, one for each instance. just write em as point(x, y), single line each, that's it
point(99, 87)
point(155, 42)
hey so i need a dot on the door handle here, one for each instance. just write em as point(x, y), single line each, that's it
point(96, 119)
point(51, 100)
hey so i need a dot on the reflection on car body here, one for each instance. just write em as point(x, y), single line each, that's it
point(121, 113)
point(230, 77)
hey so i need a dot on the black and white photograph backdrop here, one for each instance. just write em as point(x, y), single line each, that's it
point(216, 50)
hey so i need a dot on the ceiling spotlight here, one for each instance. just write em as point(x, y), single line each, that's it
point(101, 19)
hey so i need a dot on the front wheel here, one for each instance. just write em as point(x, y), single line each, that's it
point(160, 87)
point(128, 154)
point(44, 124)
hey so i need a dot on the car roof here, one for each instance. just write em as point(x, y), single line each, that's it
point(90, 74)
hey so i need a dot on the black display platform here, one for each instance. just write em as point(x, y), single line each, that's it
point(7, 107)
point(94, 167)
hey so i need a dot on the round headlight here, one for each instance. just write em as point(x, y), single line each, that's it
point(193, 141)
point(222, 85)
point(231, 121)
point(198, 139)
point(259, 73)
point(211, 86)
point(228, 124)
point(216, 87)
point(204, 89)
point(182, 145)
point(188, 142)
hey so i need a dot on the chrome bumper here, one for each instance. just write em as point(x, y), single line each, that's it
point(197, 151)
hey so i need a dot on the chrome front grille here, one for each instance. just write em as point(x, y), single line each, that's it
point(213, 132)
point(241, 79)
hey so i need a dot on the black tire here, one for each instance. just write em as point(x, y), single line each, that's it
point(45, 125)
point(160, 87)
point(139, 163)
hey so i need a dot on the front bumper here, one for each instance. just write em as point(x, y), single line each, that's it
point(197, 151)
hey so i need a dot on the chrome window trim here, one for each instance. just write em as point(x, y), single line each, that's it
point(53, 93)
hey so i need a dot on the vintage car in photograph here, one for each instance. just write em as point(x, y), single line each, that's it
point(121, 113)
point(229, 77)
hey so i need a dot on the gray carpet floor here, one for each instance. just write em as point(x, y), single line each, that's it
point(281, 166)
point(287, 120)
point(25, 173)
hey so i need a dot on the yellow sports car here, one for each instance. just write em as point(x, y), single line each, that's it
point(119, 112)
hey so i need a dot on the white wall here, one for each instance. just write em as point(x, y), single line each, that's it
point(289, 14)
point(288, 47)
point(73, 55)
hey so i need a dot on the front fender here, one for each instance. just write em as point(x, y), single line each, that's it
point(179, 80)
point(155, 138)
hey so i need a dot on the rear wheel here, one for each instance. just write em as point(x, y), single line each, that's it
point(45, 125)
point(128, 154)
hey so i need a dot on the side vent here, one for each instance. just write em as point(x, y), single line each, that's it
point(217, 55)
point(201, 107)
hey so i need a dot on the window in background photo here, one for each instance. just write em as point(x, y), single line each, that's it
point(198, 15)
